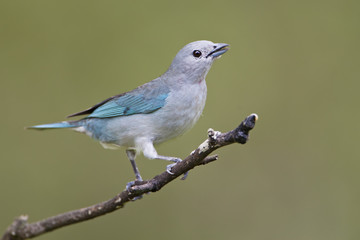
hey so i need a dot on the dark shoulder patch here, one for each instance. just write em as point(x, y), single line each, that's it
point(126, 110)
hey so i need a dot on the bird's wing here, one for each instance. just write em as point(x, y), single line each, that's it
point(138, 101)
point(127, 105)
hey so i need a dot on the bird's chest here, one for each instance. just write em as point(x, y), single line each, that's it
point(184, 107)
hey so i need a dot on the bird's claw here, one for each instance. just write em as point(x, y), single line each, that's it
point(128, 188)
point(129, 185)
point(185, 176)
point(170, 166)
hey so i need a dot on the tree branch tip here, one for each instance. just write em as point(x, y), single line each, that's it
point(249, 123)
point(255, 116)
point(241, 133)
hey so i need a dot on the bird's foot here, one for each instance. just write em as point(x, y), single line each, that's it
point(170, 166)
point(131, 184)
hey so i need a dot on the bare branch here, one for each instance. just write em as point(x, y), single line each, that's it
point(20, 229)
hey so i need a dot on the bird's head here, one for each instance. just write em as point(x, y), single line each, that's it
point(195, 59)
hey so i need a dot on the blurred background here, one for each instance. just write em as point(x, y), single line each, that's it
point(294, 63)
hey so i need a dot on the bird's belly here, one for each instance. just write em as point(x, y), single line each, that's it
point(176, 124)
point(179, 115)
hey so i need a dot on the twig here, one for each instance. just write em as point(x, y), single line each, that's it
point(21, 230)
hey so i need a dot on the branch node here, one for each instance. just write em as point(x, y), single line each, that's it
point(118, 200)
point(212, 134)
point(209, 159)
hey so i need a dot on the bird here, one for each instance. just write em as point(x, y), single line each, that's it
point(154, 112)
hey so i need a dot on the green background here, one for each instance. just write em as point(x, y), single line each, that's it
point(294, 63)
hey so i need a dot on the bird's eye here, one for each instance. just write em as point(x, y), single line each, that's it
point(196, 53)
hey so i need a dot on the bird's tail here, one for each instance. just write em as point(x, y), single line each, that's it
point(55, 125)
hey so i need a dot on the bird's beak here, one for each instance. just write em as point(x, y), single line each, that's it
point(220, 48)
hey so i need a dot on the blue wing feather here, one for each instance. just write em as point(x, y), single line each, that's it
point(129, 104)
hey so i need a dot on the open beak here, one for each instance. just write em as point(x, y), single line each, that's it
point(220, 48)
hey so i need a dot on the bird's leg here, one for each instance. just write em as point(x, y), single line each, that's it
point(131, 153)
point(150, 152)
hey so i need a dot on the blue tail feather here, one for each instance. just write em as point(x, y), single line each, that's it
point(55, 125)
